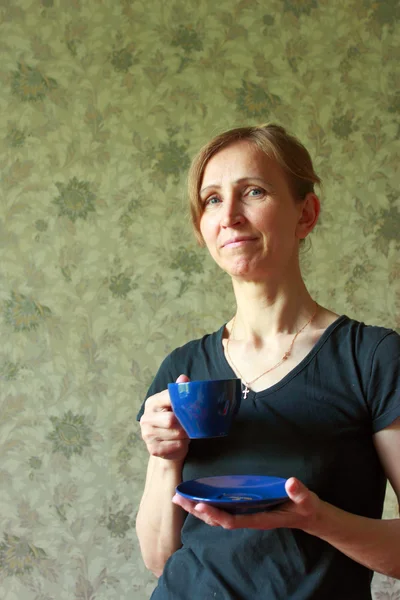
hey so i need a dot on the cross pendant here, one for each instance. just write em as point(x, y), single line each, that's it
point(245, 391)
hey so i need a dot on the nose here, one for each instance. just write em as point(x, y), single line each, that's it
point(231, 213)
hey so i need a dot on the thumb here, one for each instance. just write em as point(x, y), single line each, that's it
point(296, 490)
point(182, 379)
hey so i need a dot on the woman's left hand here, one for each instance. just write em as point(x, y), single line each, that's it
point(299, 512)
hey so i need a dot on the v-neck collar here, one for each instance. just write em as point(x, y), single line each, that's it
point(289, 376)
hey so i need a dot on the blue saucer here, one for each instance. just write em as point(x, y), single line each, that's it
point(236, 494)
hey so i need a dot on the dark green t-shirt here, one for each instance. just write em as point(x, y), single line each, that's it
point(316, 424)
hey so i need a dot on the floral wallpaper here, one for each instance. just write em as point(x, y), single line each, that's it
point(102, 106)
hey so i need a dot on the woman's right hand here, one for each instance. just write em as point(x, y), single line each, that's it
point(161, 431)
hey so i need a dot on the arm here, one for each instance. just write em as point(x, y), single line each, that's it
point(370, 542)
point(373, 543)
point(159, 522)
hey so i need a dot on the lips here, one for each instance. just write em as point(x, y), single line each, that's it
point(237, 241)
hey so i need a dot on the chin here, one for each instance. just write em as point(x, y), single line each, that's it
point(242, 269)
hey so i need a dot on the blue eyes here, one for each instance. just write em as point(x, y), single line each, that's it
point(253, 193)
point(212, 200)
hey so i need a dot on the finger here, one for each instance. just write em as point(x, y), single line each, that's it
point(161, 402)
point(183, 502)
point(214, 516)
point(182, 379)
point(159, 434)
point(158, 402)
point(297, 491)
point(188, 505)
point(209, 514)
point(161, 428)
point(164, 420)
point(304, 501)
point(167, 449)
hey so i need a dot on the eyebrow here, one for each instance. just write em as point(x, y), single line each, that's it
point(237, 181)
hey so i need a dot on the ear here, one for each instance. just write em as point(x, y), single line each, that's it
point(310, 209)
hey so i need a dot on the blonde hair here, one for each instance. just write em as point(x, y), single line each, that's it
point(271, 139)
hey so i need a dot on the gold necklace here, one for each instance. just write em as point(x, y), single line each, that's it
point(288, 352)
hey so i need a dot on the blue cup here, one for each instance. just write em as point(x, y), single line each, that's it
point(206, 409)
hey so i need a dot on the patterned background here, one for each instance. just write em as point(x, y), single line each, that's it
point(102, 105)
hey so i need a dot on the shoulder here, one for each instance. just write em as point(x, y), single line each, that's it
point(363, 338)
point(204, 345)
point(375, 354)
point(354, 351)
point(188, 359)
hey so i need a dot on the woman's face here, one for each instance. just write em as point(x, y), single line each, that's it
point(251, 224)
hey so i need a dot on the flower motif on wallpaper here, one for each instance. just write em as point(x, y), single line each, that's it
point(187, 40)
point(171, 159)
point(122, 59)
point(394, 103)
point(16, 137)
point(299, 7)
point(24, 313)
point(127, 218)
point(9, 370)
point(41, 225)
point(376, 136)
point(384, 223)
point(126, 451)
point(344, 125)
point(268, 20)
point(120, 285)
point(65, 495)
point(118, 524)
point(388, 227)
point(156, 69)
point(30, 85)
point(115, 518)
point(17, 556)
point(360, 274)
point(70, 434)
point(35, 462)
point(386, 12)
point(75, 35)
point(75, 199)
point(353, 52)
point(254, 101)
point(188, 262)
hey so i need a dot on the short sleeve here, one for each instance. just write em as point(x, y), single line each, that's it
point(164, 376)
point(384, 383)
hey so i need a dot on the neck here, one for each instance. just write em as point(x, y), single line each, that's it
point(265, 310)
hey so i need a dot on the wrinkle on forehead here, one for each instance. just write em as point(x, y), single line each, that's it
point(238, 182)
point(239, 162)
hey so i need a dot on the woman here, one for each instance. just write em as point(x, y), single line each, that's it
point(321, 404)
